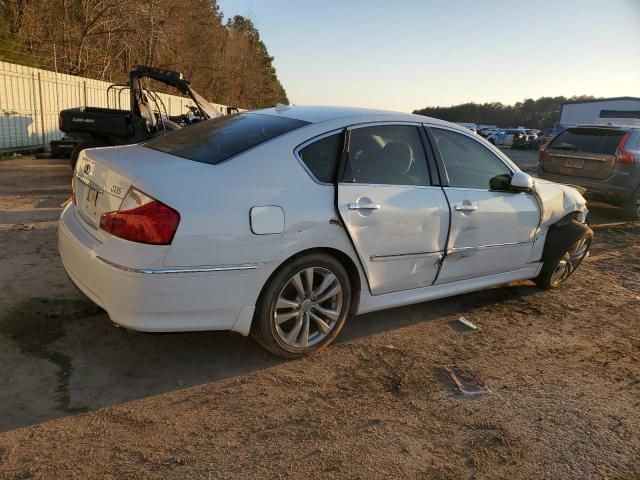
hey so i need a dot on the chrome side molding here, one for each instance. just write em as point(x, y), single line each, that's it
point(177, 270)
point(404, 256)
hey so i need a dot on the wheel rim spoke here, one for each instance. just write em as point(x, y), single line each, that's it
point(332, 314)
point(328, 294)
point(326, 283)
point(286, 303)
point(283, 317)
point(304, 337)
point(560, 273)
point(292, 336)
point(308, 282)
point(321, 324)
point(296, 281)
point(580, 250)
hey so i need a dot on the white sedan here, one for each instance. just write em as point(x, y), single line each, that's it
point(282, 222)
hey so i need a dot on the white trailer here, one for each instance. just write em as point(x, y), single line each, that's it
point(618, 110)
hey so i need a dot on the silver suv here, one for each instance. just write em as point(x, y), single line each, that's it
point(604, 159)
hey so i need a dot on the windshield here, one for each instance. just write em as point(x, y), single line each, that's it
point(218, 139)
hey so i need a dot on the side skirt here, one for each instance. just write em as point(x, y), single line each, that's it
point(369, 303)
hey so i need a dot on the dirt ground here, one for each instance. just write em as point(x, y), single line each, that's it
point(82, 399)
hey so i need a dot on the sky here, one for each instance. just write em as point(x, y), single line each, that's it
point(408, 54)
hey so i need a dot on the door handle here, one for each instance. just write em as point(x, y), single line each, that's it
point(466, 208)
point(367, 206)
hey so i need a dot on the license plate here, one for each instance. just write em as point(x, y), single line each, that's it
point(573, 163)
point(92, 196)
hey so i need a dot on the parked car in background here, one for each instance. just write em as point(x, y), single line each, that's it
point(511, 137)
point(603, 159)
point(485, 132)
point(282, 222)
point(532, 132)
point(544, 136)
point(471, 126)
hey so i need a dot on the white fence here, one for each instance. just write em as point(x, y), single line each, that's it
point(31, 98)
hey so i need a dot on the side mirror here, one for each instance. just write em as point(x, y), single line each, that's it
point(500, 182)
point(521, 182)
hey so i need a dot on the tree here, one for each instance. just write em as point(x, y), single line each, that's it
point(103, 39)
point(541, 113)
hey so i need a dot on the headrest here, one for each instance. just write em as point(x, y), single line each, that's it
point(396, 157)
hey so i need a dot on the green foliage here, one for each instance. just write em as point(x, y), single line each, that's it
point(226, 63)
point(541, 113)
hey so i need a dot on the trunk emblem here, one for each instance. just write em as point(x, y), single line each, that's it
point(87, 169)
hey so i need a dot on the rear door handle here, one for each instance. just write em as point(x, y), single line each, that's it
point(367, 206)
point(466, 208)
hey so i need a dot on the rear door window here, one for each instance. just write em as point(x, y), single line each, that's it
point(321, 156)
point(218, 139)
point(387, 155)
point(590, 140)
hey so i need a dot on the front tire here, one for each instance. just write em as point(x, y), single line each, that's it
point(303, 306)
point(565, 249)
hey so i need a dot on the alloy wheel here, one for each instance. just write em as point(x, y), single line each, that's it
point(570, 260)
point(308, 307)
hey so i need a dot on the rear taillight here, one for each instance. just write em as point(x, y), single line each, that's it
point(60, 122)
point(142, 219)
point(622, 155)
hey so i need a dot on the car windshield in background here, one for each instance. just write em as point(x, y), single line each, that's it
point(216, 140)
point(591, 140)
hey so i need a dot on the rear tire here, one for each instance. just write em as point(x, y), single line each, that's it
point(631, 208)
point(565, 249)
point(303, 307)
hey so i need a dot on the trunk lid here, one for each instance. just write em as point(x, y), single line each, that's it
point(103, 176)
point(587, 152)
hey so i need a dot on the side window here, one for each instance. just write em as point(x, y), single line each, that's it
point(321, 157)
point(468, 163)
point(387, 155)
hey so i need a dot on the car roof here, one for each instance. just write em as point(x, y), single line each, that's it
point(319, 114)
point(606, 127)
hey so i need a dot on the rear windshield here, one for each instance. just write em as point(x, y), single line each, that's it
point(218, 139)
point(591, 140)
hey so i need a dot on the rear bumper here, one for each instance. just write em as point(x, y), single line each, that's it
point(616, 188)
point(158, 300)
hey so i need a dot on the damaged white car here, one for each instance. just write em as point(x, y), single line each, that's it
point(282, 222)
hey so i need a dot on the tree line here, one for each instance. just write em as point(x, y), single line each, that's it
point(541, 113)
point(226, 61)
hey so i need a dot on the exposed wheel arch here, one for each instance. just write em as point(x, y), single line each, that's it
point(568, 218)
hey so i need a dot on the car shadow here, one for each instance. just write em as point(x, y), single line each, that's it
point(63, 356)
point(384, 320)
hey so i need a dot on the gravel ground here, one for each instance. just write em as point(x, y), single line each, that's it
point(82, 399)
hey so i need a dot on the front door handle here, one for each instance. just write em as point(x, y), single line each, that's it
point(366, 206)
point(466, 208)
